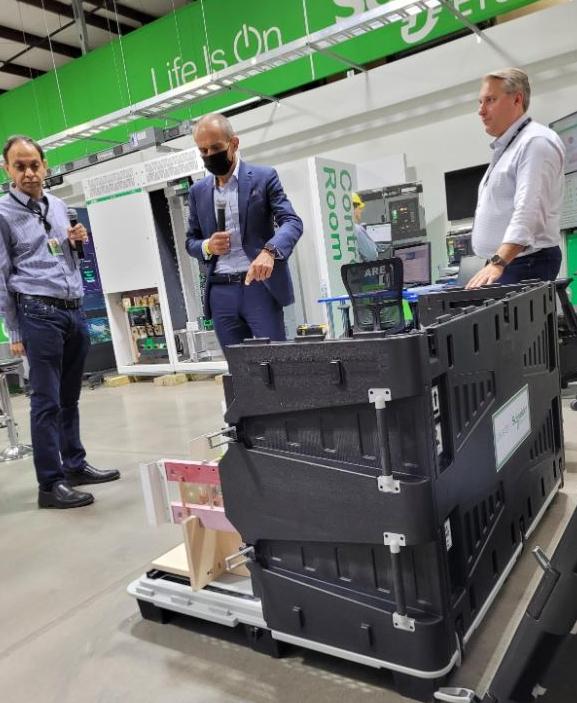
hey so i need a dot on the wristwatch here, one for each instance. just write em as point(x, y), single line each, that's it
point(498, 260)
point(272, 250)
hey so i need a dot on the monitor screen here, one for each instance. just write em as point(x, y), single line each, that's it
point(461, 190)
point(99, 330)
point(379, 233)
point(566, 128)
point(416, 260)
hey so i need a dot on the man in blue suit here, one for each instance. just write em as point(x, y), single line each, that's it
point(249, 281)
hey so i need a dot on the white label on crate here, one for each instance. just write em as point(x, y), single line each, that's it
point(439, 438)
point(511, 426)
point(448, 534)
point(435, 397)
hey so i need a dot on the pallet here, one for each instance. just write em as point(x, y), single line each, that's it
point(230, 601)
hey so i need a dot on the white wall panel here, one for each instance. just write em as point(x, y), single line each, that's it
point(125, 243)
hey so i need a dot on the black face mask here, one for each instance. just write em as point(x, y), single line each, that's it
point(218, 164)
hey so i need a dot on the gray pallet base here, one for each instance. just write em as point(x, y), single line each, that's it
point(229, 601)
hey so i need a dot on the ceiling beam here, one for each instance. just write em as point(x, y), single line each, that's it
point(60, 8)
point(80, 21)
point(16, 69)
point(122, 10)
point(36, 41)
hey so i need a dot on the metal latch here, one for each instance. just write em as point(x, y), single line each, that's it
point(455, 695)
point(380, 396)
point(227, 433)
point(388, 484)
point(394, 540)
point(240, 558)
point(403, 622)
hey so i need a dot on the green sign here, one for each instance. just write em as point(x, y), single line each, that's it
point(571, 241)
point(4, 336)
point(203, 37)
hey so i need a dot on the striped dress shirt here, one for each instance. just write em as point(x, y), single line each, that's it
point(26, 264)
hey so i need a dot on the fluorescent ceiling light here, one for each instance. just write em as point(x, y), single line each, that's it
point(392, 11)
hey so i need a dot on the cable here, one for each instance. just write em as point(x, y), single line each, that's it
point(115, 8)
point(209, 70)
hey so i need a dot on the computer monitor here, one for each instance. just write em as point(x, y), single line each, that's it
point(458, 245)
point(462, 190)
point(566, 128)
point(416, 260)
point(379, 233)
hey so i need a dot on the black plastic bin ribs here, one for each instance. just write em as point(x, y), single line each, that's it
point(430, 306)
point(383, 513)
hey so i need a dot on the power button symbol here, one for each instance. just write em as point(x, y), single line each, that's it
point(247, 43)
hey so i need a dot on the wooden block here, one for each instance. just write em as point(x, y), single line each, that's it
point(204, 559)
point(199, 376)
point(173, 379)
point(114, 381)
point(206, 550)
point(173, 562)
point(218, 379)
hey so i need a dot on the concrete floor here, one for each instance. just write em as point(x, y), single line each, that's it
point(70, 633)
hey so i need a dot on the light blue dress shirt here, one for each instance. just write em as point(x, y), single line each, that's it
point(236, 260)
point(521, 195)
point(26, 264)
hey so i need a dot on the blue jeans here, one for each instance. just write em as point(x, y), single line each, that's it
point(240, 312)
point(543, 264)
point(56, 343)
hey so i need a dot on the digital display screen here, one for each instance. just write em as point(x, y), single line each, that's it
point(416, 263)
point(379, 233)
point(99, 330)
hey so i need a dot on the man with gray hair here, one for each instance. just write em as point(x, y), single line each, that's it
point(517, 220)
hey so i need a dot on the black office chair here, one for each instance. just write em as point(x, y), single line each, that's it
point(375, 289)
point(567, 328)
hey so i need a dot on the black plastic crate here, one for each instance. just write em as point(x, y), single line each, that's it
point(431, 306)
point(396, 569)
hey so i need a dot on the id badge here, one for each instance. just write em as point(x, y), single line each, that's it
point(54, 247)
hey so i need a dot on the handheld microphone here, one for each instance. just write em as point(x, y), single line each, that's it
point(78, 245)
point(220, 215)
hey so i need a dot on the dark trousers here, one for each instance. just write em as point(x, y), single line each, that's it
point(56, 343)
point(240, 312)
point(543, 265)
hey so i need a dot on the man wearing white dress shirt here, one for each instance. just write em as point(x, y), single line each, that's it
point(516, 226)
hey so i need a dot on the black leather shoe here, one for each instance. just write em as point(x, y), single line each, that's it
point(61, 495)
point(89, 474)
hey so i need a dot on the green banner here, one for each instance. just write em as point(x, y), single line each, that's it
point(201, 38)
